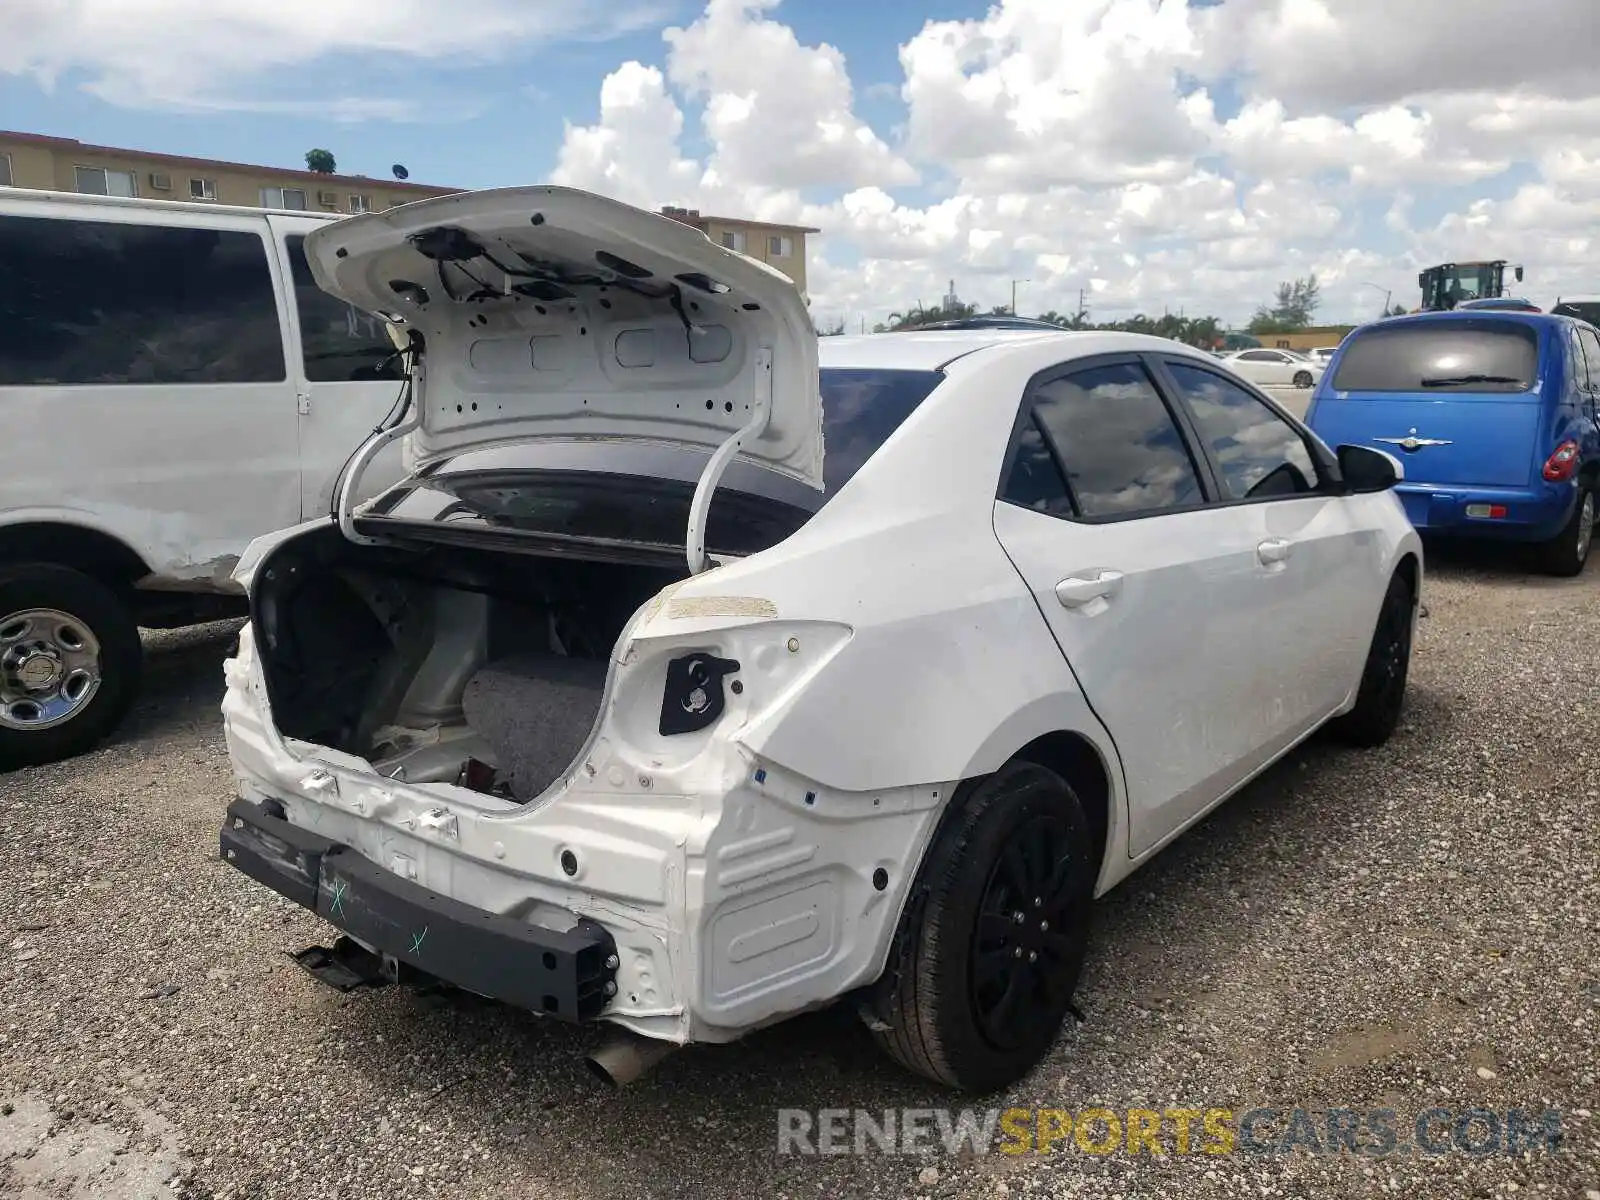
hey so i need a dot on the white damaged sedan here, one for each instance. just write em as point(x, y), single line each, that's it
point(630, 705)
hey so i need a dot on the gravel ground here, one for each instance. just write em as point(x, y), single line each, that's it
point(1398, 929)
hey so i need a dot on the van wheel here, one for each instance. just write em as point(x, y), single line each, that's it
point(1383, 682)
point(69, 663)
point(992, 942)
point(1568, 551)
point(1302, 379)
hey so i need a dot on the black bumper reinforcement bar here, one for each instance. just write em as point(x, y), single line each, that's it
point(568, 974)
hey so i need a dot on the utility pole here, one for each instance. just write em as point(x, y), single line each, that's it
point(1388, 295)
point(1014, 283)
point(1081, 308)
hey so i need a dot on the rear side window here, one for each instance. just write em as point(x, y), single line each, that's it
point(1590, 341)
point(1479, 355)
point(339, 341)
point(1036, 480)
point(860, 409)
point(1259, 453)
point(1111, 432)
point(97, 302)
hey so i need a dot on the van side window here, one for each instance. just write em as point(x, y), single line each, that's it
point(339, 341)
point(100, 302)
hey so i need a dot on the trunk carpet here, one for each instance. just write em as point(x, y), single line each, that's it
point(535, 711)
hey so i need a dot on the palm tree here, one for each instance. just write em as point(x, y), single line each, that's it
point(917, 315)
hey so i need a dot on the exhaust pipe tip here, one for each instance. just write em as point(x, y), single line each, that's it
point(625, 1058)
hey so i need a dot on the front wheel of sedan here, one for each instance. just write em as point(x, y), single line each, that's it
point(1302, 379)
point(1383, 683)
point(992, 942)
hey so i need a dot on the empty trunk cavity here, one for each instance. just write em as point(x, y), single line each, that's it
point(445, 664)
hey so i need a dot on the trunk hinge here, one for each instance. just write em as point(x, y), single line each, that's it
point(700, 508)
point(393, 427)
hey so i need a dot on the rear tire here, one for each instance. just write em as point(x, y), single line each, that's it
point(70, 661)
point(973, 997)
point(1302, 379)
point(1567, 553)
point(1383, 682)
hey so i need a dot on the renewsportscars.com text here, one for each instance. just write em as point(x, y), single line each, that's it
point(1375, 1132)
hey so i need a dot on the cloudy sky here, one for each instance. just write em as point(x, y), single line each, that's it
point(1159, 154)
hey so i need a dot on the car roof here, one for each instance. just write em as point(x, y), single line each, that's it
point(933, 350)
point(992, 322)
point(1471, 314)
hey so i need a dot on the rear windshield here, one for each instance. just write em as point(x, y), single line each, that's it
point(641, 494)
point(1485, 355)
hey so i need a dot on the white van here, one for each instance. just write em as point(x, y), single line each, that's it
point(173, 383)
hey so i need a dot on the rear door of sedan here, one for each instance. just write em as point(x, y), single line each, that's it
point(1261, 366)
point(1175, 605)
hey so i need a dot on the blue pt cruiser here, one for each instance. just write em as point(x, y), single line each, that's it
point(1492, 415)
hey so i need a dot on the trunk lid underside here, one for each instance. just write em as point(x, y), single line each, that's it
point(553, 313)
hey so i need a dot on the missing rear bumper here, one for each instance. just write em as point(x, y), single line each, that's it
point(569, 974)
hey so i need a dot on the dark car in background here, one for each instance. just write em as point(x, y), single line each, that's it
point(1491, 413)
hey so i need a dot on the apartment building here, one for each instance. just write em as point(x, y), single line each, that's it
point(31, 160)
point(781, 246)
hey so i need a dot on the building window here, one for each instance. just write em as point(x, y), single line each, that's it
point(293, 199)
point(168, 305)
point(780, 247)
point(733, 240)
point(202, 189)
point(5, 171)
point(360, 204)
point(97, 181)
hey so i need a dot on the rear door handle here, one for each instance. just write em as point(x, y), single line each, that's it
point(1077, 590)
point(1274, 550)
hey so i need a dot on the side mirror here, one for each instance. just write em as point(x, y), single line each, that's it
point(1367, 470)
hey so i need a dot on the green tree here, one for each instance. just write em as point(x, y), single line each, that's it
point(321, 161)
point(1204, 332)
point(1292, 308)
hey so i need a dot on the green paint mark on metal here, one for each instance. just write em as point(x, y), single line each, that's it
point(339, 890)
point(416, 940)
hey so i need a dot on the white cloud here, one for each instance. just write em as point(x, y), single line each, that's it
point(1334, 53)
point(1040, 92)
point(779, 114)
point(1152, 154)
point(201, 55)
point(1383, 146)
point(632, 152)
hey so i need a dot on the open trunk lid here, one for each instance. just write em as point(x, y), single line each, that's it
point(552, 313)
point(1456, 400)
